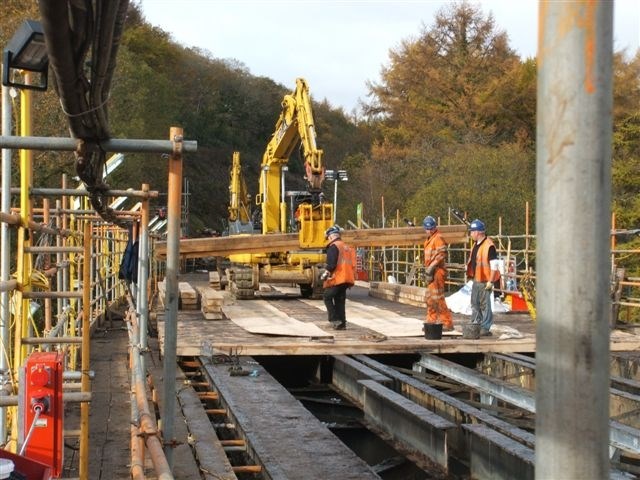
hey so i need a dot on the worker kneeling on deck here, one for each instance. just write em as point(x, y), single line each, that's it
point(338, 277)
point(435, 254)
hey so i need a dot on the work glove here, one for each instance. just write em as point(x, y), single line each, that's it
point(430, 270)
point(429, 278)
point(325, 275)
point(488, 286)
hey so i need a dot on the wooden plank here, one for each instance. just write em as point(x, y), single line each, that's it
point(225, 337)
point(209, 451)
point(290, 442)
point(184, 464)
point(285, 242)
point(266, 319)
point(388, 323)
point(187, 291)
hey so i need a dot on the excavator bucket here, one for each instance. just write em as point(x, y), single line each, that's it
point(314, 221)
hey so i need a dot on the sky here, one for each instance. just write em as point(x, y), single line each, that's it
point(339, 45)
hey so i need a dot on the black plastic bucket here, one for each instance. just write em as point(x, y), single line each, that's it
point(433, 331)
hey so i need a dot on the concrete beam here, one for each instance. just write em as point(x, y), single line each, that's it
point(346, 375)
point(494, 456)
point(413, 426)
point(450, 408)
point(620, 436)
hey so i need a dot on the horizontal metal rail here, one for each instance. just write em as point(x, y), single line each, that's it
point(50, 340)
point(67, 397)
point(8, 285)
point(81, 192)
point(70, 294)
point(111, 145)
point(53, 249)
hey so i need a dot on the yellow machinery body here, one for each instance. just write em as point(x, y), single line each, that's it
point(310, 217)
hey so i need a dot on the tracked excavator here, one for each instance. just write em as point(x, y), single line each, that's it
point(239, 200)
point(282, 211)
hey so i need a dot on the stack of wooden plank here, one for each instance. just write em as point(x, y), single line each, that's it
point(399, 293)
point(214, 280)
point(212, 301)
point(188, 296)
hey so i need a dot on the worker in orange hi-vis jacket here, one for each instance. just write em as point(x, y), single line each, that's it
point(338, 277)
point(435, 253)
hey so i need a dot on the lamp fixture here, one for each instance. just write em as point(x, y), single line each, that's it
point(26, 51)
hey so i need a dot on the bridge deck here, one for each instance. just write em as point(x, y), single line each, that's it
point(224, 336)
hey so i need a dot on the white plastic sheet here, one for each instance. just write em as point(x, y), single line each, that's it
point(460, 302)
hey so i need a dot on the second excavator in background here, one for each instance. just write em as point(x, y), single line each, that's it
point(282, 211)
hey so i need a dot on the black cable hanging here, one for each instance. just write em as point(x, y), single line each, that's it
point(71, 29)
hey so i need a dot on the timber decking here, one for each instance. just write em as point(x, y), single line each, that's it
point(223, 336)
point(287, 439)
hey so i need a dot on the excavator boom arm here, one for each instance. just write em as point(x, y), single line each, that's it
point(295, 126)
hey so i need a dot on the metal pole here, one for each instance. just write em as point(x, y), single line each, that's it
point(335, 198)
point(86, 352)
point(573, 212)
point(5, 246)
point(47, 301)
point(143, 276)
point(171, 300)
point(59, 261)
point(112, 145)
point(24, 264)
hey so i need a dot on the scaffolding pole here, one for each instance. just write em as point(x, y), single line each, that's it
point(5, 247)
point(573, 214)
point(171, 300)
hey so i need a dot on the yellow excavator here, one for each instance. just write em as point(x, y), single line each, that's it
point(239, 200)
point(282, 211)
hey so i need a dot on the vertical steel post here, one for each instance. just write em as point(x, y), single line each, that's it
point(24, 239)
point(47, 264)
point(573, 210)
point(66, 272)
point(85, 352)
point(335, 198)
point(171, 300)
point(5, 250)
point(143, 275)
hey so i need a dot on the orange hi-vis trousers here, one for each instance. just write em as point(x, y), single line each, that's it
point(437, 310)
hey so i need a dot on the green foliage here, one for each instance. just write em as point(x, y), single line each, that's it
point(485, 182)
point(626, 156)
point(219, 104)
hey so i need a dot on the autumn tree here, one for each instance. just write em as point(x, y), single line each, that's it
point(458, 84)
point(626, 153)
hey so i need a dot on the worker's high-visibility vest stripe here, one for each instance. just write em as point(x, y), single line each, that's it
point(345, 269)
